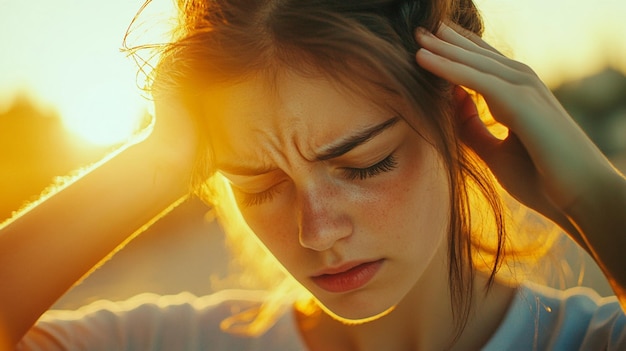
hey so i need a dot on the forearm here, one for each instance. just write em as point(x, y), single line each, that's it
point(46, 249)
point(601, 219)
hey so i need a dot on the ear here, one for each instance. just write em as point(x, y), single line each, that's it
point(473, 131)
point(465, 105)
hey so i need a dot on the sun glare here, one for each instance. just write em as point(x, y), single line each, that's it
point(65, 53)
point(102, 119)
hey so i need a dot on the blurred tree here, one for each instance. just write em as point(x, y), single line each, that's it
point(34, 150)
point(598, 103)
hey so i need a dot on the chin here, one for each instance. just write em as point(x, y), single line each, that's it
point(349, 318)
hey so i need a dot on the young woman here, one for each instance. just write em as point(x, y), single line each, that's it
point(356, 154)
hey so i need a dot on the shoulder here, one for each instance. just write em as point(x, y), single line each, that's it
point(149, 321)
point(542, 318)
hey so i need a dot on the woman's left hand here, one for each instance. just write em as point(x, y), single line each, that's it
point(546, 162)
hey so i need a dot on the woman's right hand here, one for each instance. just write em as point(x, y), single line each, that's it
point(173, 136)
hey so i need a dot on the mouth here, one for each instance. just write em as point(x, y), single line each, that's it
point(347, 277)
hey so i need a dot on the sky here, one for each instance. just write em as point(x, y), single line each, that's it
point(561, 39)
point(65, 53)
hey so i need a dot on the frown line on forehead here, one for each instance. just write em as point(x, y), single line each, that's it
point(337, 149)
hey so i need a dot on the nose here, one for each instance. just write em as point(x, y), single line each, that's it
point(322, 219)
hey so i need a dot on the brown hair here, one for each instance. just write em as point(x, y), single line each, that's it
point(230, 40)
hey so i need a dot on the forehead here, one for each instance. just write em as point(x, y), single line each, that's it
point(247, 118)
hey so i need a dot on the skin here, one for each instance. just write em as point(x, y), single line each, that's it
point(270, 147)
point(327, 220)
point(546, 162)
point(45, 250)
point(327, 216)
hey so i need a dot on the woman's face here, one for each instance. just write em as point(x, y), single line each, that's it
point(350, 199)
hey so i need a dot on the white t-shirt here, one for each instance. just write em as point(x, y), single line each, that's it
point(538, 319)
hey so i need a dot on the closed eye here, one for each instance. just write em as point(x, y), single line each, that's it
point(386, 165)
point(246, 199)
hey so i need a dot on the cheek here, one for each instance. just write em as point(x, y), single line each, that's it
point(409, 207)
point(412, 207)
point(276, 227)
point(271, 229)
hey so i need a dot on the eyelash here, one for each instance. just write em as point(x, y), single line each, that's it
point(386, 165)
point(249, 200)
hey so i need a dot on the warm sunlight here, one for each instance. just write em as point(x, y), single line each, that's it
point(76, 179)
point(66, 54)
point(102, 116)
point(562, 40)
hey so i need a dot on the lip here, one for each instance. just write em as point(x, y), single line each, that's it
point(347, 277)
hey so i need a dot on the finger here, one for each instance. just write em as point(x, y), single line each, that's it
point(461, 37)
point(474, 57)
point(459, 73)
point(468, 35)
point(455, 34)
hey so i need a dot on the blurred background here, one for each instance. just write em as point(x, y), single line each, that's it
point(68, 96)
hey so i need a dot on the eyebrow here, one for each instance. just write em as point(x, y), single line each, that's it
point(333, 151)
point(361, 137)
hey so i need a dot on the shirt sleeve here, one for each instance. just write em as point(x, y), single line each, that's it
point(541, 318)
point(145, 322)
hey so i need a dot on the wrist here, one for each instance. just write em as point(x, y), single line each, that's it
point(600, 218)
